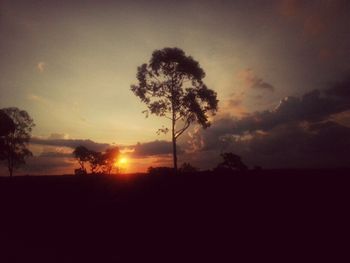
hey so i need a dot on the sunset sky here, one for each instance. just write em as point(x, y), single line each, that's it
point(281, 69)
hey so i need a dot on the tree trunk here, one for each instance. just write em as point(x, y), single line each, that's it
point(174, 144)
point(10, 167)
point(173, 121)
point(174, 155)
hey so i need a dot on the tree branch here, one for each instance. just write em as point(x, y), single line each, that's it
point(179, 132)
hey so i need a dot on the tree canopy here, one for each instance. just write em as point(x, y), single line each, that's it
point(14, 142)
point(99, 162)
point(171, 85)
point(232, 162)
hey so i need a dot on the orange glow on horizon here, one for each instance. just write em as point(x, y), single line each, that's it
point(121, 163)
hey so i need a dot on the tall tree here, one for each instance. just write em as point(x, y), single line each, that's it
point(14, 145)
point(171, 85)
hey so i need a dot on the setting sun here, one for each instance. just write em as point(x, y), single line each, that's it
point(121, 162)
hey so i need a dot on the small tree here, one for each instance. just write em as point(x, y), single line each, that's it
point(232, 162)
point(98, 161)
point(82, 155)
point(171, 85)
point(187, 168)
point(95, 160)
point(15, 138)
point(6, 124)
point(109, 159)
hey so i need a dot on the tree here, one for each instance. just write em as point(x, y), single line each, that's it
point(14, 142)
point(171, 85)
point(82, 155)
point(187, 168)
point(109, 159)
point(97, 160)
point(6, 124)
point(232, 162)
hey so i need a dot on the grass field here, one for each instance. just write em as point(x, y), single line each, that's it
point(186, 218)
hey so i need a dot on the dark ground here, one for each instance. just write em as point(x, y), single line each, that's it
point(267, 215)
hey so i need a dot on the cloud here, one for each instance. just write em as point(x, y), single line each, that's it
point(54, 140)
point(292, 145)
point(58, 136)
point(252, 81)
point(315, 105)
point(146, 149)
point(297, 133)
point(47, 165)
point(41, 66)
point(152, 148)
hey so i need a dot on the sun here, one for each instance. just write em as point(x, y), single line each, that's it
point(121, 162)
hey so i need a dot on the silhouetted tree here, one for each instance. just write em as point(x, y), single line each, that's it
point(99, 162)
point(82, 155)
point(15, 137)
point(187, 168)
point(171, 85)
point(232, 162)
point(95, 160)
point(109, 159)
point(6, 124)
point(160, 171)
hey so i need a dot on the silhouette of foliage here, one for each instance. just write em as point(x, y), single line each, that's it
point(160, 171)
point(6, 124)
point(171, 85)
point(231, 162)
point(82, 155)
point(95, 160)
point(15, 137)
point(187, 168)
point(98, 162)
point(109, 158)
point(79, 171)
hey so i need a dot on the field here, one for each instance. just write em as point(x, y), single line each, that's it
point(185, 218)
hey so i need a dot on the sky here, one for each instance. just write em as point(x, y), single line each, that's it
point(281, 69)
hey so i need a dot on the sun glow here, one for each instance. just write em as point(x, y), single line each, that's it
point(121, 162)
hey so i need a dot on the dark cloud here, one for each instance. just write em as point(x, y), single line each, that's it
point(297, 133)
point(319, 145)
point(48, 165)
point(71, 143)
point(315, 105)
point(140, 149)
point(152, 148)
